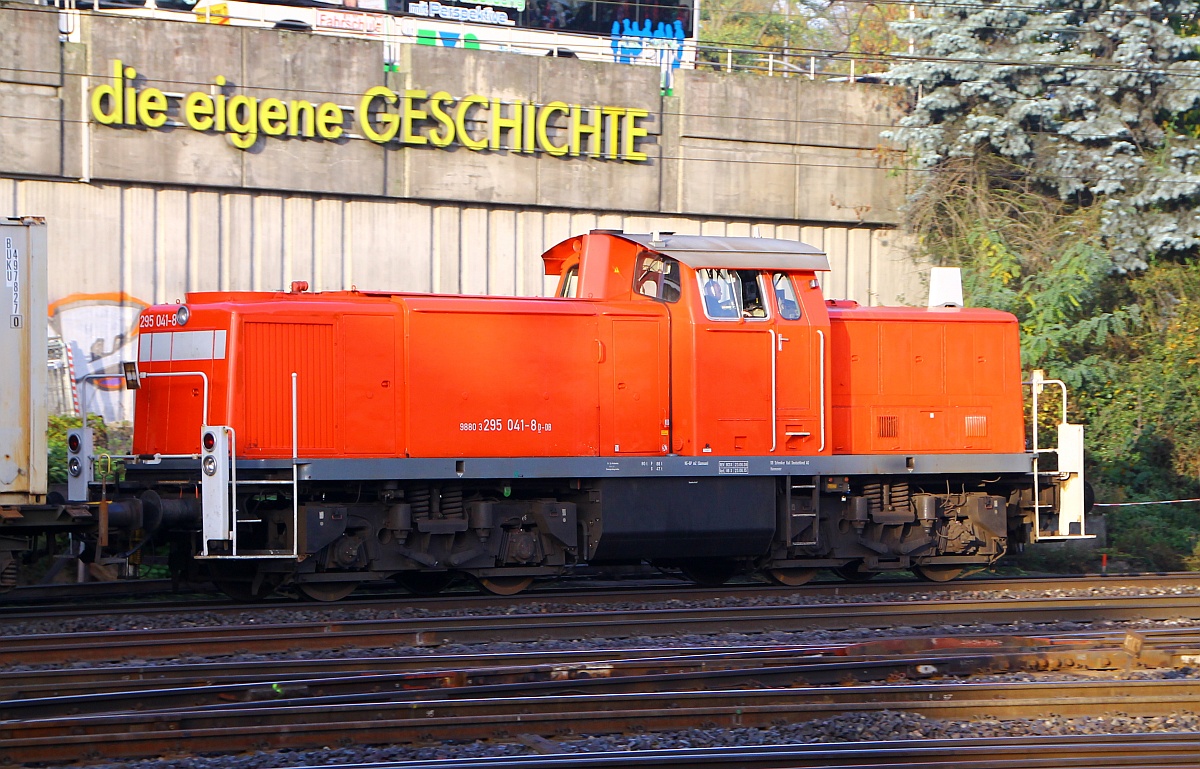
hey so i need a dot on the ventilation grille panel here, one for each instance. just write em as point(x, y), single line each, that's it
point(976, 426)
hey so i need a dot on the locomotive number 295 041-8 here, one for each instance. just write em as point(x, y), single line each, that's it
point(158, 320)
point(504, 425)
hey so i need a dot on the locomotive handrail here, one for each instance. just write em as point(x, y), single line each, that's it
point(1037, 382)
point(232, 491)
point(83, 401)
point(83, 408)
point(230, 513)
point(152, 459)
point(295, 471)
point(201, 374)
point(821, 388)
point(774, 387)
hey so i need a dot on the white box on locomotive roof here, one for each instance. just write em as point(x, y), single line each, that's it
point(23, 361)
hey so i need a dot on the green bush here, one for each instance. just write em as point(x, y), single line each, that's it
point(111, 439)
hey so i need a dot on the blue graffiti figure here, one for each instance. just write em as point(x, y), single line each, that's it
point(629, 42)
point(677, 59)
point(661, 44)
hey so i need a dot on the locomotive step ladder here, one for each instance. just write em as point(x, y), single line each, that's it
point(797, 519)
point(1068, 522)
point(219, 494)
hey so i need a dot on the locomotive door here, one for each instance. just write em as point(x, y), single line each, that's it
point(733, 352)
point(639, 363)
point(799, 352)
point(369, 403)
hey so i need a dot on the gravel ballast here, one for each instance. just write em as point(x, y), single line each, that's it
point(886, 725)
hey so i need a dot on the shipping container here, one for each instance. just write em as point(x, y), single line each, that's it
point(23, 356)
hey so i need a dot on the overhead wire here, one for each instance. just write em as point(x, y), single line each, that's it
point(718, 44)
point(1038, 8)
point(795, 52)
point(1140, 504)
point(799, 52)
point(792, 162)
point(347, 96)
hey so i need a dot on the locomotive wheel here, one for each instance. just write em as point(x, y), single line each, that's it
point(851, 572)
point(424, 582)
point(933, 573)
point(505, 585)
point(791, 577)
point(712, 572)
point(326, 591)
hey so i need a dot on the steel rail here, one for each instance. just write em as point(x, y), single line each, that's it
point(127, 735)
point(615, 675)
point(20, 682)
point(15, 607)
point(57, 682)
point(432, 632)
point(1143, 751)
point(1053, 652)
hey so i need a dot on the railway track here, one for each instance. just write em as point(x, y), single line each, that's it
point(1143, 751)
point(432, 632)
point(93, 599)
point(44, 694)
point(560, 708)
point(123, 711)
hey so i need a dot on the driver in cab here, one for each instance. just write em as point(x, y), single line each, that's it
point(715, 305)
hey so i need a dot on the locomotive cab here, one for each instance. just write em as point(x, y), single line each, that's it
point(749, 332)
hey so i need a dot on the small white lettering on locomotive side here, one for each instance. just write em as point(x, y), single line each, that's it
point(505, 425)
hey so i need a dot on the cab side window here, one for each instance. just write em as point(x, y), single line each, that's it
point(733, 294)
point(785, 296)
point(721, 291)
point(656, 276)
point(570, 283)
point(754, 295)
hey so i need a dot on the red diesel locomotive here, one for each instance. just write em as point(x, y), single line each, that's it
point(687, 401)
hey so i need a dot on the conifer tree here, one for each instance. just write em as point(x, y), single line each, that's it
point(1095, 100)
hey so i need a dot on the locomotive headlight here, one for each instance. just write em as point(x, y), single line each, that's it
point(210, 465)
point(182, 315)
point(74, 467)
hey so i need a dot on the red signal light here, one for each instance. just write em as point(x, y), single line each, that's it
point(210, 441)
point(73, 443)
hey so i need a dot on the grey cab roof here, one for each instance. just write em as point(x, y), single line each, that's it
point(702, 251)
